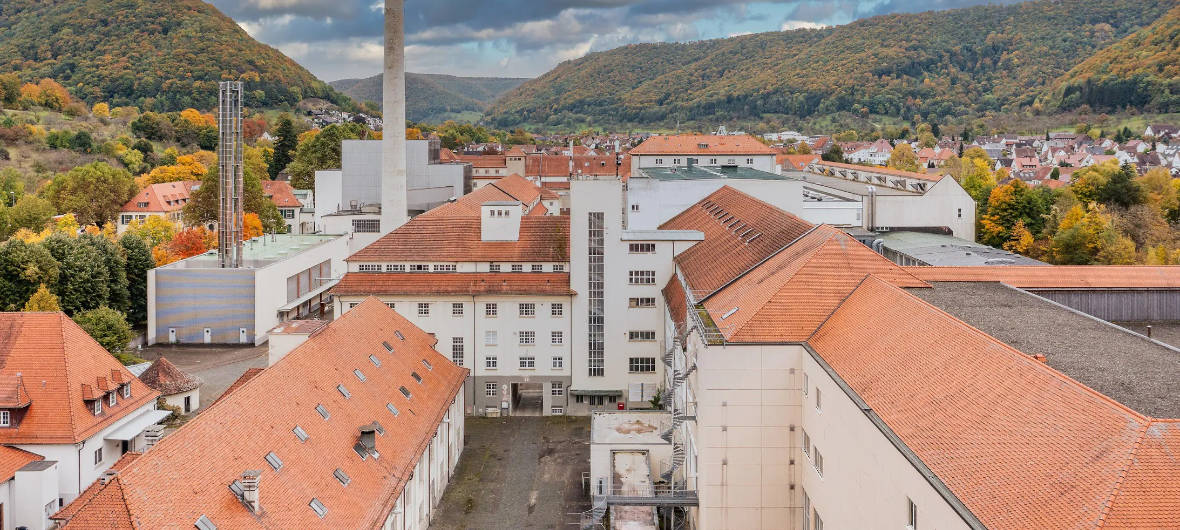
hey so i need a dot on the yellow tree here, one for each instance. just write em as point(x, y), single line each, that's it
point(186, 168)
point(155, 230)
point(101, 110)
point(1021, 241)
point(42, 300)
point(903, 158)
point(251, 226)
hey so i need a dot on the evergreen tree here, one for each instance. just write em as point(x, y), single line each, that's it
point(116, 265)
point(285, 146)
point(24, 267)
point(935, 131)
point(139, 262)
point(107, 327)
point(1055, 174)
point(1121, 189)
point(42, 300)
point(84, 282)
point(835, 154)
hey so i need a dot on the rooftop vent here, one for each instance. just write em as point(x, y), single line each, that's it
point(359, 374)
point(387, 346)
point(341, 476)
point(250, 489)
point(392, 409)
point(399, 336)
point(107, 476)
point(367, 443)
point(416, 377)
point(318, 507)
point(405, 392)
point(344, 391)
point(375, 360)
point(427, 364)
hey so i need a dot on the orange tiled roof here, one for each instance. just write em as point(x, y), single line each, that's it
point(466, 283)
point(511, 188)
point(484, 161)
point(12, 459)
point(241, 380)
point(105, 509)
point(761, 230)
point(166, 197)
point(796, 162)
point(1039, 450)
point(788, 296)
point(882, 170)
point(281, 192)
point(456, 239)
point(559, 165)
point(89, 493)
point(12, 392)
point(187, 473)
point(167, 379)
point(690, 144)
point(66, 365)
point(677, 302)
point(1059, 276)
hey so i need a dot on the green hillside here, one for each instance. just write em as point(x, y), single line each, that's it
point(934, 64)
point(1140, 71)
point(163, 55)
point(435, 97)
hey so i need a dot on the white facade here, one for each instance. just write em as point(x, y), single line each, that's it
point(414, 508)
point(652, 201)
point(761, 162)
point(30, 496)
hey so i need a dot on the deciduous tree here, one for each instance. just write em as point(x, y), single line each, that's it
point(95, 193)
point(106, 326)
point(42, 300)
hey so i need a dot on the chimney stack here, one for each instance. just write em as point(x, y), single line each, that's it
point(369, 437)
point(393, 139)
point(250, 489)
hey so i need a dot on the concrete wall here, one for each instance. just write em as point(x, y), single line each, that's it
point(360, 162)
point(835, 213)
point(270, 285)
point(177, 400)
point(660, 200)
point(944, 204)
point(1119, 305)
point(191, 300)
point(760, 162)
point(35, 497)
point(328, 190)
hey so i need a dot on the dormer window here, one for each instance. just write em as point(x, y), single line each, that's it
point(113, 399)
point(127, 391)
point(5, 418)
point(97, 407)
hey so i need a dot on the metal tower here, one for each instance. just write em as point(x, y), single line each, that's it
point(230, 174)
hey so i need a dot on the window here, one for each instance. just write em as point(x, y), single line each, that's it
point(490, 389)
point(528, 362)
point(274, 461)
point(641, 277)
point(368, 267)
point(491, 362)
point(642, 365)
point(537, 268)
point(5, 418)
point(317, 506)
point(448, 267)
point(373, 359)
point(712, 161)
point(556, 389)
point(659, 161)
point(596, 242)
point(818, 402)
point(288, 213)
point(142, 204)
point(818, 460)
point(489, 338)
point(641, 336)
point(391, 305)
point(960, 213)
point(353, 304)
point(528, 338)
point(518, 267)
point(405, 391)
point(635, 207)
point(423, 309)
point(749, 161)
point(644, 302)
point(490, 310)
point(395, 268)
point(416, 377)
point(911, 515)
point(97, 407)
point(559, 267)
point(676, 161)
point(366, 226)
point(807, 445)
point(421, 267)
point(388, 348)
point(113, 399)
point(98, 456)
point(359, 375)
point(341, 476)
point(557, 411)
point(323, 411)
point(556, 310)
point(641, 248)
point(127, 391)
point(556, 337)
point(806, 511)
point(558, 362)
point(457, 309)
point(494, 267)
point(392, 409)
point(805, 383)
point(528, 310)
point(457, 350)
point(300, 433)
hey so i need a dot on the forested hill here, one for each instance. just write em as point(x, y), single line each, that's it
point(435, 97)
point(1141, 70)
point(936, 64)
point(160, 54)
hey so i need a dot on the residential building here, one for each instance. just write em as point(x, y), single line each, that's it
point(876, 153)
point(282, 277)
point(712, 151)
point(361, 426)
point(166, 200)
point(291, 208)
point(68, 411)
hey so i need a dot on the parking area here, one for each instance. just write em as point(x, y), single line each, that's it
point(519, 472)
point(218, 366)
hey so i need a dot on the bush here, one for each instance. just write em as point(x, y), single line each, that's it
point(107, 326)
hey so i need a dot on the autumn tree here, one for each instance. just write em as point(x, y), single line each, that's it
point(154, 230)
point(187, 167)
point(30, 213)
point(191, 242)
point(101, 110)
point(42, 300)
point(251, 226)
point(1010, 205)
point(1089, 237)
point(95, 192)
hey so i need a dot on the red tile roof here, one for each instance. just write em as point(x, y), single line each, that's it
point(281, 192)
point(1020, 444)
point(788, 296)
point(167, 197)
point(881, 170)
point(1059, 276)
point(12, 459)
point(537, 165)
point(187, 473)
point(690, 144)
point(674, 297)
point(246, 376)
point(12, 392)
point(88, 495)
point(167, 379)
point(450, 283)
point(458, 239)
point(511, 188)
point(60, 364)
point(484, 161)
point(755, 231)
point(796, 162)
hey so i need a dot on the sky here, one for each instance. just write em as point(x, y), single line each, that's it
point(338, 39)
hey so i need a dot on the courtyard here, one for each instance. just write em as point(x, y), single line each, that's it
point(518, 472)
point(218, 366)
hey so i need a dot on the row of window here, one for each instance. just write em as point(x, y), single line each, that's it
point(491, 309)
point(492, 389)
point(451, 267)
point(525, 338)
point(112, 400)
point(711, 161)
point(813, 521)
point(525, 362)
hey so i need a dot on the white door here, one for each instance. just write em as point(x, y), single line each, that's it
point(242, 335)
point(208, 336)
point(171, 335)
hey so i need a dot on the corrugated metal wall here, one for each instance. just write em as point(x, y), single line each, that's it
point(191, 300)
point(1123, 305)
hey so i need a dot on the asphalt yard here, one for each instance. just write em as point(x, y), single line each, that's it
point(517, 473)
point(217, 366)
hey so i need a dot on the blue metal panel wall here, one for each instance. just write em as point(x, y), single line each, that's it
point(191, 300)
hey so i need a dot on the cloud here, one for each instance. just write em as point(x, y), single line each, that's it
point(801, 24)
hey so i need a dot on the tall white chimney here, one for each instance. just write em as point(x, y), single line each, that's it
point(393, 142)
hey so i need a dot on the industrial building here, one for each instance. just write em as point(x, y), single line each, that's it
point(281, 277)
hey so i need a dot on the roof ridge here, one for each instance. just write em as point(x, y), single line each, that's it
point(763, 260)
point(839, 305)
point(1124, 470)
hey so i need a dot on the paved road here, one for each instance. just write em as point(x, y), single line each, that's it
point(517, 473)
point(217, 366)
